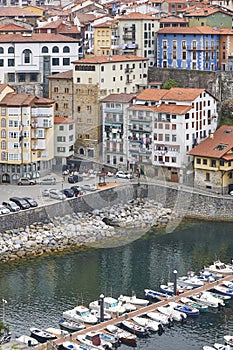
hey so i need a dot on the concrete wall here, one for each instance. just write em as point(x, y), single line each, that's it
point(185, 204)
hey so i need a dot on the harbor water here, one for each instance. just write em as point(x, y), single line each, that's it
point(39, 290)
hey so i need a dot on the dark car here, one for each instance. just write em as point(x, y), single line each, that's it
point(20, 202)
point(11, 205)
point(72, 179)
point(31, 202)
point(68, 192)
point(77, 190)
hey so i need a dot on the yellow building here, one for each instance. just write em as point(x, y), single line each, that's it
point(106, 38)
point(27, 135)
point(213, 161)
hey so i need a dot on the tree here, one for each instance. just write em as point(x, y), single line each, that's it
point(170, 83)
point(226, 112)
point(3, 328)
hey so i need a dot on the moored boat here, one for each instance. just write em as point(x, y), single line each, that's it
point(187, 309)
point(155, 295)
point(133, 300)
point(222, 346)
point(220, 267)
point(40, 335)
point(93, 339)
point(132, 327)
point(224, 290)
point(80, 314)
point(69, 345)
point(190, 302)
point(171, 312)
point(111, 305)
point(123, 335)
point(206, 299)
point(157, 316)
point(207, 347)
point(71, 326)
point(29, 341)
point(228, 339)
point(151, 325)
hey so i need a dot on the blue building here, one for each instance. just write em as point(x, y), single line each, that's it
point(188, 48)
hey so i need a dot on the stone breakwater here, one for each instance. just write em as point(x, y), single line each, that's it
point(81, 229)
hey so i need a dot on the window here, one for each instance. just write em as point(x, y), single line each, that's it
point(55, 89)
point(213, 163)
point(114, 67)
point(79, 109)
point(1, 50)
point(11, 77)
point(45, 49)
point(66, 61)
point(198, 160)
point(11, 62)
point(207, 177)
point(67, 90)
point(3, 145)
point(22, 77)
point(55, 61)
point(90, 80)
point(65, 105)
point(27, 56)
point(205, 161)
point(3, 121)
point(3, 156)
point(3, 133)
point(89, 109)
point(66, 49)
point(61, 127)
point(55, 49)
point(78, 81)
point(11, 50)
point(61, 139)
point(61, 149)
point(71, 126)
point(33, 77)
point(173, 138)
point(1, 62)
point(89, 92)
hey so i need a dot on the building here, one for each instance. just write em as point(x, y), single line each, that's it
point(94, 78)
point(213, 161)
point(137, 35)
point(115, 129)
point(106, 38)
point(64, 138)
point(207, 16)
point(27, 135)
point(27, 60)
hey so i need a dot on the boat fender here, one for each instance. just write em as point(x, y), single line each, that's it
point(160, 329)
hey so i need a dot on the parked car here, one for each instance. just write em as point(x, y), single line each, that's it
point(68, 192)
point(45, 192)
point(12, 206)
point(89, 187)
point(4, 210)
point(48, 181)
point(31, 201)
point(25, 181)
point(20, 202)
point(72, 179)
point(56, 194)
point(124, 175)
point(77, 190)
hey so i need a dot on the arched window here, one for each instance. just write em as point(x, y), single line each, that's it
point(55, 49)
point(3, 123)
point(27, 56)
point(11, 50)
point(1, 50)
point(3, 145)
point(66, 49)
point(3, 156)
point(45, 49)
point(3, 134)
point(56, 107)
point(81, 151)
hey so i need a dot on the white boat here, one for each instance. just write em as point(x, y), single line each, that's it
point(222, 346)
point(224, 290)
point(190, 302)
point(80, 314)
point(207, 347)
point(111, 305)
point(123, 335)
point(213, 296)
point(57, 332)
point(69, 345)
point(153, 326)
point(227, 284)
point(171, 312)
point(157, 316)
point(128, 306)
point(93, 339)
point(187, 309)
point(190, 281)
point(220, 267)
point(133, 300)
point(25, 339)
point(206, 299)
point(96, 313)
point(134, 328)
point(71, 326)
point(40, 335)
point(228, 339)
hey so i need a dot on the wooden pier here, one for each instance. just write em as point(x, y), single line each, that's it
point(141, 310)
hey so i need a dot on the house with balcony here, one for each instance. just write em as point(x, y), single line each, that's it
point(194, 48)
point(137, 35)
point(166, 124)
point(27, 136)
point(208, 16)
point(106, 38)
point(64, 139)
point(115, 129)
point(213, 161)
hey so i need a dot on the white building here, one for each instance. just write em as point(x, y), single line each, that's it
point(27, 60)
point(64, 138)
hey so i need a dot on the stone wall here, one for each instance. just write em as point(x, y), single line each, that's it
point(184, 204)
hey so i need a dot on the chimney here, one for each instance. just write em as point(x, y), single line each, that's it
point(211, 136)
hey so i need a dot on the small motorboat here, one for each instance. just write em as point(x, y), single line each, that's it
point(111, 306)
point(71, 326)
point(57, 332)
point(113, 339)
point(106, 315)
point(132, 327)
point(223, 290)
point(190, 302)
point(123, 335)
point(155, 295)
point(169, 289)
point(171, 312)
point(41, 336)
point(222, 346)
point(157, 316)
point(93, 340)
point(190, 282)
point(80, 314)
point(187, 309)
point(207, 299)
point(220, 267)
point(69, 345)
point(207, 347)
point(228, 284)
point(29, 341)
point(151, 325)
point(228, 339)
point(225, 298)
point(133, 300)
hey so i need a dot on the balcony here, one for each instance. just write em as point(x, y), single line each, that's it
point(129, 81)
point(132, 46)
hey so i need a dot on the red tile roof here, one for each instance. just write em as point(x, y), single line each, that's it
point(182, 94)
point(63, 75)
point(11, 27)
point(123, 98)
point(135, 15)
point(195, 30)
point(207, 148)
point(107, 59)
point(151, 94)
point(62, 120)
point(16, 12)
point(172, 109)
point(13, 99)
point(18, 38)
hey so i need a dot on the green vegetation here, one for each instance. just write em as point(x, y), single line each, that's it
point(226, 113)
point(170, 83)
point(3, 328)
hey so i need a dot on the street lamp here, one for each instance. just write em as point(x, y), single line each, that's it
point(4, 302)
point(175, 281)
